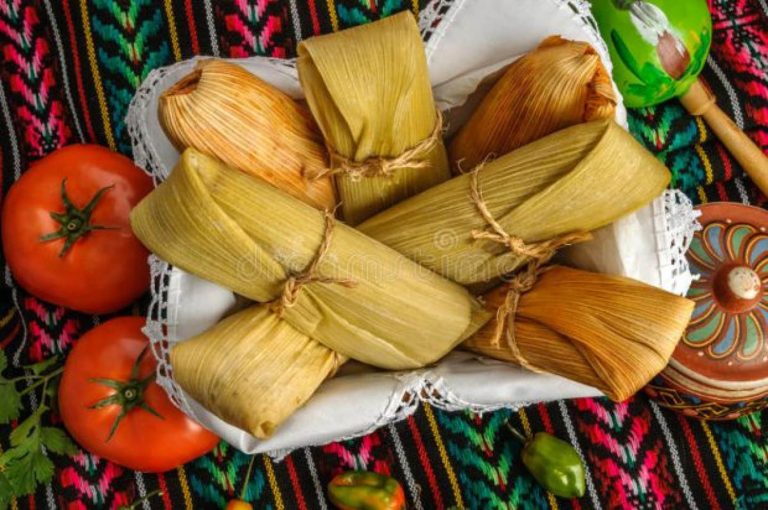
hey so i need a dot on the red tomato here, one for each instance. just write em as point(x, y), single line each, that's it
point(102, 379)
point(103, 270)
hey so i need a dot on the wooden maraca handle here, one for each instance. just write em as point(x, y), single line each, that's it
point(700, 102)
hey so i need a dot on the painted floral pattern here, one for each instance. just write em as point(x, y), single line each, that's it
point(721, 333)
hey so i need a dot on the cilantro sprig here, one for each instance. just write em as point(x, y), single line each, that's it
point(25, 464)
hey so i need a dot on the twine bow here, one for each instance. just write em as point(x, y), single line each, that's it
point(539, 254)
point(380, 166)
point(542, 251)
point(294, 283)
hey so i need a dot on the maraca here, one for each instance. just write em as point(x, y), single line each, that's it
point(658, 49)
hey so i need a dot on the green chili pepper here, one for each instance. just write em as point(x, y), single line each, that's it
point(366, 490)
point(554, 463)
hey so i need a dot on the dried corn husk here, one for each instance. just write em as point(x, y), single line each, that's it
point(559, 84)
point(226, 112)
point(576, 180)
point(252, 369)
point(368, 88)
point(609, 332)
point(235, 230)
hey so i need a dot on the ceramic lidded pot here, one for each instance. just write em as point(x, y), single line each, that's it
point(720, 368)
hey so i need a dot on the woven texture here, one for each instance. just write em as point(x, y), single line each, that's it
point(69, 69)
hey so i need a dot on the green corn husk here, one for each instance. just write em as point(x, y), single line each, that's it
point(368, 88)
point(252, 369)
point(575, 180)
point(235, 230)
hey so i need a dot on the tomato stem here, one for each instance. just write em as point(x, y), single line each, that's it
point(74, 223)
point(128, 394)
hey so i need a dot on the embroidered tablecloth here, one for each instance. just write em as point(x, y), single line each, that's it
point(69, 69)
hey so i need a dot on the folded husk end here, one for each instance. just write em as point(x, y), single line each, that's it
point(369, 90)
point(609, 332)
point(252, 369)
point(559, 84)
point(224, 111)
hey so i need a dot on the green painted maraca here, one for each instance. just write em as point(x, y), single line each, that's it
point(658, 49)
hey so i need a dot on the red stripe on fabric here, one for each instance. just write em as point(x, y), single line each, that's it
point(722, 193)
point(192, 28)
point(295, 482)
point(727, 166)
point(545, 419)
point(315, 19)
point(7, 340)
point(78, 73)
point(425, 462)
point(164, 488)
point(698, 463)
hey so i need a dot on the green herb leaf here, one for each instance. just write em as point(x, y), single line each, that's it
point(27, 472)
point(42, 467)
point(25, 464)
point(17, 463)
point(6, 489)
point(10, 402)
point(28, 431)
point(57, 441)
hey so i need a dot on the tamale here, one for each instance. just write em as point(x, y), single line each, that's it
point(609, 332)
point(226, 112)
point(559, 84)
point(252, 369)
point(368, 88)
point(235, 230)
point(576, 180)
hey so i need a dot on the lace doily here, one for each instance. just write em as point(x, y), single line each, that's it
point(675, 221)
point(673, 217)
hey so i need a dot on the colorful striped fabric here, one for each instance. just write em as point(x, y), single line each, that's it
point(69, 69)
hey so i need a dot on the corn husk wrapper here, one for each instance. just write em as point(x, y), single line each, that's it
point(226, 112)
point(578, 179)
point(237, 231)
point(368, 88)
point(559, 84)
point(252, 369)
point(609, 332)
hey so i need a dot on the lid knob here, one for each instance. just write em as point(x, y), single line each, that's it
point(737, 288)
point(744, 283)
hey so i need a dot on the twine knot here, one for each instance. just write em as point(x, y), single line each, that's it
point(541, 251)
point(539, 254)
point(380, 166)
point(505, 314)
point(294, 283)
